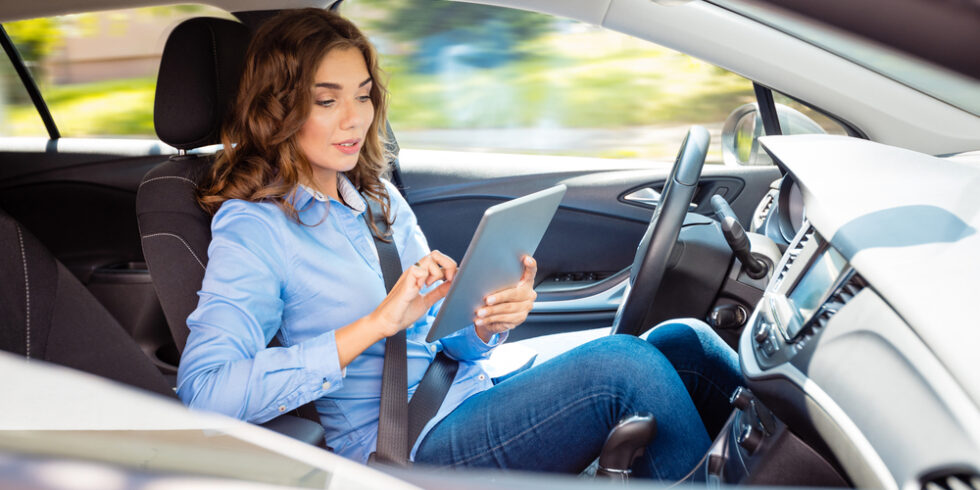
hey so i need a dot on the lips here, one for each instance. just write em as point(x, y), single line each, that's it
point(348, 147)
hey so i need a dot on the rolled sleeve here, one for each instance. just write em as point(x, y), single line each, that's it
point(466, 345)
point(322, 364)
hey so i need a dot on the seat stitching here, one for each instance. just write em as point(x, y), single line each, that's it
point(191, 182)
point(189, 249)
point(27, 289)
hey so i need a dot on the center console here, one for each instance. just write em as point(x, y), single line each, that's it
point(809, 285)
point(813, 282)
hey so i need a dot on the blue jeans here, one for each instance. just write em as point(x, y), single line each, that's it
point(556, 416)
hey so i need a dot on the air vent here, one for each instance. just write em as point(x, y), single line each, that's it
point(844, 293)
point(764, 208)
point(793, 253)
point(961, 481)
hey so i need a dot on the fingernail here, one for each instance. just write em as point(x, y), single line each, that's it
point(528, 260)
point(479, 322)
point(482, 313)
point(491, 300)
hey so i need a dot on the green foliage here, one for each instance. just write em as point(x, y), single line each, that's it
point(35, 38)
point(110, 108)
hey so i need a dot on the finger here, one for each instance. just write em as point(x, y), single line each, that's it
point(502, 308)
point(436, 294)
point(411, 275)
point(511, 295)
point(435, 272)
point(432, 269)
point(447, 264)
point(501, 323)
point(530, 270)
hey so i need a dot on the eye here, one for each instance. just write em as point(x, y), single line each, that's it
point(364, 98)
point(325, 103)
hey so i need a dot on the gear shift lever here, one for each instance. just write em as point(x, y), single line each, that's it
point(735, 236)
point(625, 443)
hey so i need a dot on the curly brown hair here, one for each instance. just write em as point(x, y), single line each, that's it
point(261, 159)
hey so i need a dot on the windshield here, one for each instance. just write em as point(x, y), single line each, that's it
point(947, 86)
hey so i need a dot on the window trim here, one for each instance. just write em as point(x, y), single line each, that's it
point(29, 83)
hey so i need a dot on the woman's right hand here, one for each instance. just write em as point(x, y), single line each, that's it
point(405, 304)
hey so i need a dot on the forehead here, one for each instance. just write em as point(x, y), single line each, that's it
point(343, 66)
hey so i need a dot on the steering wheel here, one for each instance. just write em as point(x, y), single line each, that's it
point(650, 264)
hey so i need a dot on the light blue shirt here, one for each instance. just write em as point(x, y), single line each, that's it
point(268, 275)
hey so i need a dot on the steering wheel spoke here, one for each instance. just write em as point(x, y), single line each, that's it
point(653, 253)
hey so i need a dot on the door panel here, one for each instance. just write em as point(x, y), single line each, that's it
point(80, 201)
point(80, 205)
point(594, 233)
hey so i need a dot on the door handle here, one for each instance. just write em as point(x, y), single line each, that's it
point(647, 196)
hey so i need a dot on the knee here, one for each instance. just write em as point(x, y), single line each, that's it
point(680, 328)
point(627, 357)
point(690, 341)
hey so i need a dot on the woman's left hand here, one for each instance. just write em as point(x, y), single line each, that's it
point(507, 308)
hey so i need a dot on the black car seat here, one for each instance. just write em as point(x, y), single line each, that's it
point(50, 316)
point(199, 71)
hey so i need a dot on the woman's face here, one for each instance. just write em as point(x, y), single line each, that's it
point(331, 138)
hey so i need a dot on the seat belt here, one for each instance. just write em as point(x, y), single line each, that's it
point(400, 423)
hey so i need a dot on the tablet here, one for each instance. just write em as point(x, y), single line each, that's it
point(507, 232)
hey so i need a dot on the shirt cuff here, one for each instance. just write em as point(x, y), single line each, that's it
point(466, 345)
point(495, 339)
point(322, 363)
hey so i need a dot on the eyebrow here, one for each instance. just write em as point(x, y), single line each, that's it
point(335, 86)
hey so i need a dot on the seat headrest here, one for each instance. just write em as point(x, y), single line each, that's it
point(200, 68)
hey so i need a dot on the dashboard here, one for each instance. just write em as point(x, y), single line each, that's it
point(865, 342)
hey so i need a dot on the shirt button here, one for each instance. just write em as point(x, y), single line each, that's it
point(282, 408)
point(432, 348)
point(326, 385)
point(481, 377)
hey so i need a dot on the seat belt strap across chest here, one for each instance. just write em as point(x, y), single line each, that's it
point(399, 423)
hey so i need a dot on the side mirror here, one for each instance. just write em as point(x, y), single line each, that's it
point(741, 131)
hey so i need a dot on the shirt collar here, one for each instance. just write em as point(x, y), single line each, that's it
point(304, 194)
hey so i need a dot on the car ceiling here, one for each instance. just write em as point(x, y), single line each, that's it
point(930, 30)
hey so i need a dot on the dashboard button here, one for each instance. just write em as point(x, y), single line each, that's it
point(762, 332)
point(749, 438)
point(741, 398)
point(768, 348)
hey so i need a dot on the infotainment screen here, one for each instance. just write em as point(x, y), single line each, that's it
point(813, 287)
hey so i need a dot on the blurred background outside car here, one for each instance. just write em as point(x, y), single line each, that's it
point(461, 76)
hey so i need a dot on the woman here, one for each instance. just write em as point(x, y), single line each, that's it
point(292, 256)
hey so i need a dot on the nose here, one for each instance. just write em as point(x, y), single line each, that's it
point(350, 116)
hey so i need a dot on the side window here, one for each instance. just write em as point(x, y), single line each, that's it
point(501, 80)
point(739, 135)
point(96, 71)
point(18, 117)
point(822, 121)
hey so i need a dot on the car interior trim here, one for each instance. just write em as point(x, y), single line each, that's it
point(767, 109)
point(853, 437)
point(29, 84)
point(607, 299)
